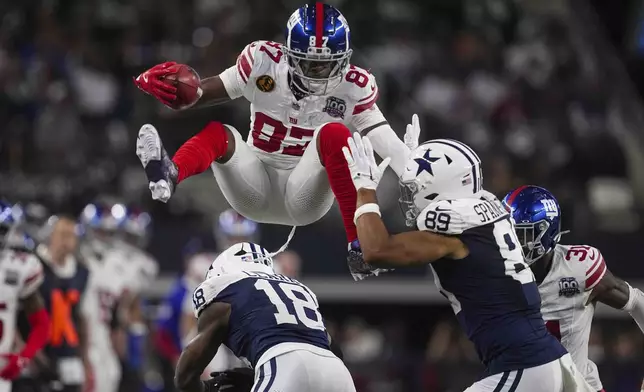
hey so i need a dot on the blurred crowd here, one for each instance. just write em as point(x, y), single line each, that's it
point(519, 85)
point(389, 356)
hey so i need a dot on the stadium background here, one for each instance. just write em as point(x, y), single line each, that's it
point(547, 92)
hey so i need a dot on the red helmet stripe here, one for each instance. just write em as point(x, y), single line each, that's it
point(319, 23)
point(514, 194)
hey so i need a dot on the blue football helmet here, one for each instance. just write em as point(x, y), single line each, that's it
point(137, 227)
point(104, 217)
point(11, 215)
point(137, 223)
point(318, 48)
point(537, 219)
point(232, 227)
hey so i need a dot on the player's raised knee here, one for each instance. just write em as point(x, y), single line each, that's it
point(331, 138)
point(335, 131)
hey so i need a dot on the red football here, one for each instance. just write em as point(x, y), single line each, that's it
point(188, 83)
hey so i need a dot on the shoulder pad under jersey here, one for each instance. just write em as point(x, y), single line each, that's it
point(456, 216)
point(257, 58)
point(207, 292)
point(30, 271)
point(361, 87)
point(587, 260)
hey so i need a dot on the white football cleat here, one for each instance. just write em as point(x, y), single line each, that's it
point(162, 173)
point(148, 145)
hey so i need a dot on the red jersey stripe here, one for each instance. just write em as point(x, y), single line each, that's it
point(592, 268)
point(249, 54)
point(596, 277)
point(367, 105)
point(245, 65)
point(33, 277)
point(374, 91)
point(239, 69)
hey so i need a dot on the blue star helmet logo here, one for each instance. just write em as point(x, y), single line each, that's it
point(425, 163)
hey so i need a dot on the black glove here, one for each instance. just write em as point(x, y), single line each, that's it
point(234, 380)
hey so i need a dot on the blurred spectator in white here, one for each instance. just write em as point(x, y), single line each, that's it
point(361, 342)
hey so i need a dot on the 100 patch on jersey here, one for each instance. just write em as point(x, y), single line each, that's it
point(568, 287)
point(335, 107)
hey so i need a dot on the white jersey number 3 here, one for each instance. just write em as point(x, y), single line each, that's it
point(300, 304)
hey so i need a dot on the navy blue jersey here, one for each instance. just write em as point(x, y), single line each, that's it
point(266, 310)
point(62, 296)
point(492, 290)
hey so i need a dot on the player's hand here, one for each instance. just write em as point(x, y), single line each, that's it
point(412, 133)
point(14, 365)
point(151, 82)
point(234, 380)
point(365, 172)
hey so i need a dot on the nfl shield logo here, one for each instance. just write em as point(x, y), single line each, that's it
point(335, 107)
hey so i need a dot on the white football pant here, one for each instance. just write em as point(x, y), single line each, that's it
point(264, 193)
point(301, 370)
point(556, 376)
point(107, 370)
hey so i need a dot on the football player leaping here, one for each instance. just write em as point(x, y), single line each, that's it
point(571, 278)
point(467, 237)
point(303, 94)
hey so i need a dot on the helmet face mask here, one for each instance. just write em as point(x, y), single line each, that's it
point(537, 220)
point(409, 190)
point(530, 238)
point(318, 53)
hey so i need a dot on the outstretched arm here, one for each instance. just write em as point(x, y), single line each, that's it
point(156, 83)
point(379, 248)
point(212, 328)
point(405, 249)
point(611, 291)
point(386, 143)
point(618, 294)
point(214, 92)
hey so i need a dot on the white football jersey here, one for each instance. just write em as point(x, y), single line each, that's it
point(104, 289)
point(21, 273)
point(282, 126)
point(575, 271)
point(141, 267)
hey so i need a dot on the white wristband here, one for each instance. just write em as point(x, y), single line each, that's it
point(365, 209)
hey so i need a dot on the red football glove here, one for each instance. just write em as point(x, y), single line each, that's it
point(15, 364)
point(151, 82)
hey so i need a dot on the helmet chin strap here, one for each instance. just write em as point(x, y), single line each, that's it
point(558, 236)
point(285, 246)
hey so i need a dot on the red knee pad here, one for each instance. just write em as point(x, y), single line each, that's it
point(331, 138)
